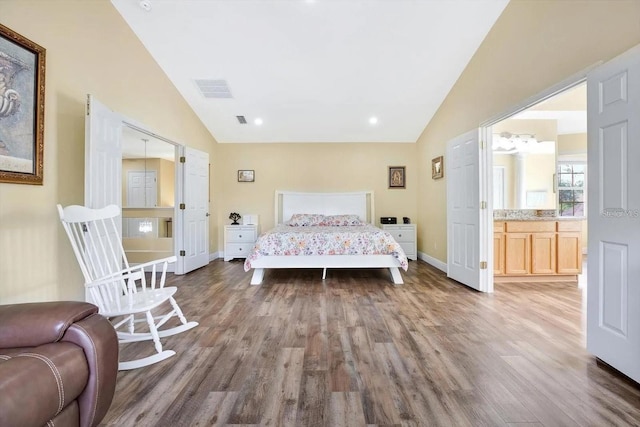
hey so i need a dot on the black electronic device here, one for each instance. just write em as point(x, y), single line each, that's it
point(406, 220)
point(388, 220)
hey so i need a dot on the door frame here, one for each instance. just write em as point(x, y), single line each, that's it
point(486, 135)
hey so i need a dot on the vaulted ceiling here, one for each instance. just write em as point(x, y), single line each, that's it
point(312, 70)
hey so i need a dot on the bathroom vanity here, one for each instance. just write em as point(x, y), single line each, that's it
point(537, 249)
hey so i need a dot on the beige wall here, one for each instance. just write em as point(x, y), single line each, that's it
point(90, 49)
point(534, 45)
point(572, 144)
point(313, 167)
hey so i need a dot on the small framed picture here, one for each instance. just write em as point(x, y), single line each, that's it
point(437, 167)
point(246, 176)
point(396, 177)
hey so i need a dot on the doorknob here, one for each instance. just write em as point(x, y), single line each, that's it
point(207, 214)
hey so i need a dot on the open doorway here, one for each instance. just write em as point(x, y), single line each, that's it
point(148, 196)
point(538, 189)
point(104, 183)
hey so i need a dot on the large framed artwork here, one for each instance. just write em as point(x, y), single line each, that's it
point(22, 74)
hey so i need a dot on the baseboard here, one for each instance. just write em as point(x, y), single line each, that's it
point(442, 266)
point(215, 255)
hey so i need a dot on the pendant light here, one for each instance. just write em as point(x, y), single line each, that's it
point(145, 226)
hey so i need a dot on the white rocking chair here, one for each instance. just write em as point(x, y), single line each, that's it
point(118, 289)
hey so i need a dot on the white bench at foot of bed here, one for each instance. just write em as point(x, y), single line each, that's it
point(327, 261)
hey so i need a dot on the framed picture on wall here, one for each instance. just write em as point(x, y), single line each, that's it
point(396, 177)
point(246, 176)
point(437, 167)
point(22, 73)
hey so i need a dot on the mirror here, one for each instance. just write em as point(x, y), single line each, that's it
point(148, 195)
point(524, 164)
point(529, 147)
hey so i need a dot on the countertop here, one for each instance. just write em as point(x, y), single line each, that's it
point(544, 218)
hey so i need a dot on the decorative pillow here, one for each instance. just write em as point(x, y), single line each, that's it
point(341, 220)
point(305, 220)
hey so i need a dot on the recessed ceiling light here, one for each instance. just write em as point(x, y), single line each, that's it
point(258, 121)
point(373, 120)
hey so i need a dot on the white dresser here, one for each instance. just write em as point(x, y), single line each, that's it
point(405, 234)
point(239, 240)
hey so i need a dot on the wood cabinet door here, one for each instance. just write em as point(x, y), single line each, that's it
point(518, 253)
point(543, 253)
point(569, 253)
point(498, 254)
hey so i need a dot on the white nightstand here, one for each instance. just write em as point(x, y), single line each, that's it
point(239, 240)
point(405, 234)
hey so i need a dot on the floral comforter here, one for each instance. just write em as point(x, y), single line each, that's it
point(326, 240)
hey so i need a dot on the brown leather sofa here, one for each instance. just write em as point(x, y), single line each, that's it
point(58, 364)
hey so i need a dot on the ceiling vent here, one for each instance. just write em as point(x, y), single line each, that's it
point(241, 120)
point(213, 88)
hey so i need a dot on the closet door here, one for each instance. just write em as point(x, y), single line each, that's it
point(103, 156)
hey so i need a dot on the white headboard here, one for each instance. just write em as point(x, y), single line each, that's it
point(359, 203)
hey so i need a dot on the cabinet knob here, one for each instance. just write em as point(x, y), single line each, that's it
point(399, 235)
point(240, 249)
point(240, 236)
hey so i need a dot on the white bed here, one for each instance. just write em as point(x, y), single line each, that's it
point(359, 203)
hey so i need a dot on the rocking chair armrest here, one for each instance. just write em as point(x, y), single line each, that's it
point(128, 272)
point(34, 324)
point(168, 260)
point(131, 274)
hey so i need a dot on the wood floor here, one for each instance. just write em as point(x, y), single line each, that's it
point(355, 350)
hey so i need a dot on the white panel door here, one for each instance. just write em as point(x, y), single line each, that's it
point(463, 209)
point(103, 156)
point(142, 189)
point(196, 212)
point(613, 282)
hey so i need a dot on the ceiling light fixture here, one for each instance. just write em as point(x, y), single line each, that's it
point(373, 121)
point(506, 141)
point(258, 121)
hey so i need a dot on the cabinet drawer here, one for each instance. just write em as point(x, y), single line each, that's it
point(238, 250)
point(402, 234)
point(498, 226)
point(569, 225)
point(530, 226)
point(241, 235)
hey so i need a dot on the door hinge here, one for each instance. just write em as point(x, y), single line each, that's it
point(88, 105)
point(482, 145)
point(483, 265)
point(483, 205)
point(183, 159)
point(183, 253)
point(182, 206)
